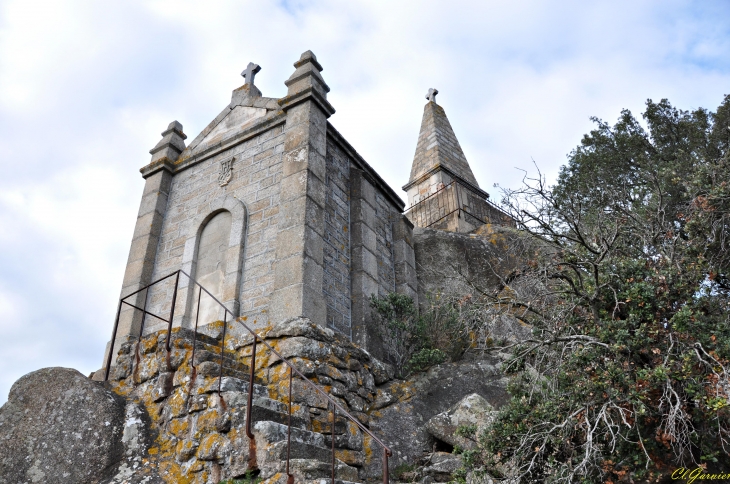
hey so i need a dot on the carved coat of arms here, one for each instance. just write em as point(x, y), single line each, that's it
point(226, 172)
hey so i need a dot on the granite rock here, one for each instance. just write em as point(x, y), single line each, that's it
point(66, 427)
point(473, 410)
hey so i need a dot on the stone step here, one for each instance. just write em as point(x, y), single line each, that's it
point(281, 478)
point(212, 355)
point(309, 471)
point(274, 432)
point(313, 458)
point(207, 383)
point(265, 409)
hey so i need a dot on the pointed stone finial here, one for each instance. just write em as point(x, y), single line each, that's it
point(431, 95)
point(171, 144)
point(307, 82)
point(250, 72)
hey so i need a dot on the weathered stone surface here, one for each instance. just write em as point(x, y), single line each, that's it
point(453, 264)
point(442, 466)
point(163, 387)
point(383, 399)
point(302, 347)
point(59, 426)
point(473, 410)
point(208, 368)
point(402, 425)
point(301, 327)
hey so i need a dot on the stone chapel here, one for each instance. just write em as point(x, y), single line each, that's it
point(278, 216)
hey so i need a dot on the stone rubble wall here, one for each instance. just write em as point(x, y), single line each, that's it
point(198, 436)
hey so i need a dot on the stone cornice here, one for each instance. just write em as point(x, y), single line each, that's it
point(309, 93)
point(163, 164)
point(266, 124)
point(452, 174)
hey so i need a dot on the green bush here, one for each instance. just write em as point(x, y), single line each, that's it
point(414, 342)
point(425, 358)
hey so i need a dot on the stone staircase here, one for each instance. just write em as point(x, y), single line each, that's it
point(187, 407)
point(310, 452)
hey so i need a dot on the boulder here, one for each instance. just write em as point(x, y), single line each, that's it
point(473, 410)
point(59, 426)
point(442, 466)
point(401, 425)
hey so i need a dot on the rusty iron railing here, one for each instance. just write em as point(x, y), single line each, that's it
point(292, 369)
point(452, 198)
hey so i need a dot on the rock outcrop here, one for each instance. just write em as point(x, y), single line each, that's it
point(465, 265)
point(59, 426)
point(428, 394)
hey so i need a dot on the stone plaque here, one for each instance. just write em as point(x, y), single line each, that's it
point(226, 172)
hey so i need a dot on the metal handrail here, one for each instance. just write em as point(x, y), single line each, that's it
point(386, 450)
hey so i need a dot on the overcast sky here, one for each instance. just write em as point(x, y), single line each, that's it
point(86, 88)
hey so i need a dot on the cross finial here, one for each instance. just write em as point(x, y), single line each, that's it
point(250, 72)
point(431, 95)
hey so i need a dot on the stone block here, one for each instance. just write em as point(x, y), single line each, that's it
point(286, 302)
point(363, 235)
point(316, 190)
point(363, 285)
point(403, 229)
point(294, 186)
point(52, 417)
point(289, 271)
point(364, 212)
point(443, 465)
point(301, 211)
point(149, 223)
point(155, 202)
point(213, 447)
point(162, 387)
point(405, 274)
point(365, 261)
point(314, 306)
point(403, 252)
point(292, 242)
point(299, 346)
point(408, 290)
point(298, 114)
point(318, 139)
point(361, 188)
point(158, 182)
point(301, 327)
point(143, 249)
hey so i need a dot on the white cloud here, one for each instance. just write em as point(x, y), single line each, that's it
point(87, 87)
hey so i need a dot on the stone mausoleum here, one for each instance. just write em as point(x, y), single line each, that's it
point(278, 216)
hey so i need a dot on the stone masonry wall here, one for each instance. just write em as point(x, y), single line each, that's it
point(336, 280)
point(257, 173)
point(189, 432)
point(384, 218)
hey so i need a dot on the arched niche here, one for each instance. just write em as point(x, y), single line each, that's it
point(210, 266)
point(213, 256)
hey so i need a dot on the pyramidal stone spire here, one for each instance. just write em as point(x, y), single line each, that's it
point(443, 193)
point(438, 147)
